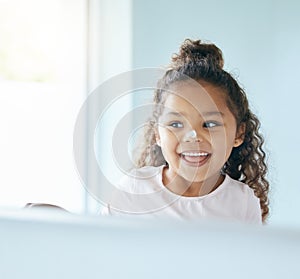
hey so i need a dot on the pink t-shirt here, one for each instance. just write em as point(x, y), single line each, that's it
point(142, 193)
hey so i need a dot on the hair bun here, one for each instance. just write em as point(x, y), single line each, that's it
point(199, 53)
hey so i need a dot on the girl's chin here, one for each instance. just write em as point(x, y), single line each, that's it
point(199, 176)
point(192, 174)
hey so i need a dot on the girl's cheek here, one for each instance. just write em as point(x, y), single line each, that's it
point(219, 145)
point(169, 135)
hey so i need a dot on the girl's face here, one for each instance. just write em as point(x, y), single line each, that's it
point(197, 132)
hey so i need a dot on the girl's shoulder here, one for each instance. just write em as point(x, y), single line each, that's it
point(241, 192)
point(236, 184)
point(238, 188)
point(146, 172)
point(142, 180)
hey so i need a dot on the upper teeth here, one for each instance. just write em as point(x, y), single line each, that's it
point(194, 154)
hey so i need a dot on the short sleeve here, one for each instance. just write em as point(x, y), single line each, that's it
point(253, 215)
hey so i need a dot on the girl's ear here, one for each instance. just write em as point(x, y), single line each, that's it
point(240, 135)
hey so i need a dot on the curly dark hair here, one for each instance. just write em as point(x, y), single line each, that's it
point(204, 62)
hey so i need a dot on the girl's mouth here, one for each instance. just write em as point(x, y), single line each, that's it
point(195, 158)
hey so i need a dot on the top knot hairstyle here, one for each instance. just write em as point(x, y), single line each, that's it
point(204, 62)
point(195, 52)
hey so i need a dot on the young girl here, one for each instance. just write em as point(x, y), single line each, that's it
point(202, 154)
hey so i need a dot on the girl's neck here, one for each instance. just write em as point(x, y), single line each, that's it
point(183, 187)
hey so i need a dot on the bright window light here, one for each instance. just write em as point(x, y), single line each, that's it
point(42, 86)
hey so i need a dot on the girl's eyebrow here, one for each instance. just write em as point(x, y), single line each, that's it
point(179, 114)
point(206, 114)
point(211, 113)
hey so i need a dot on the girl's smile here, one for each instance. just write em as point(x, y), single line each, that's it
point(195, 158)
point(196, 133)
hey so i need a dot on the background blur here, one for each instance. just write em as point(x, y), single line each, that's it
point(53, 53)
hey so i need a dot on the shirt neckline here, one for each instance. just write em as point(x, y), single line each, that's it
point(213, 193)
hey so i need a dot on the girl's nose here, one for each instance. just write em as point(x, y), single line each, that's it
point(192, 136)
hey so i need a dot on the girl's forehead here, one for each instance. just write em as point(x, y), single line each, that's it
point(202, 98)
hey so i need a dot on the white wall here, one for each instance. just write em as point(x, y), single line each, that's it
point(260, 42)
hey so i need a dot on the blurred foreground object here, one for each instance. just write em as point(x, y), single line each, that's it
point(72, 246)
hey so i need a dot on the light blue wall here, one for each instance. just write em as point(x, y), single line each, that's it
point(260, 41)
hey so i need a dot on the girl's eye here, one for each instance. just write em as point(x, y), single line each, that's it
point(176, 125)
point(210, 124)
